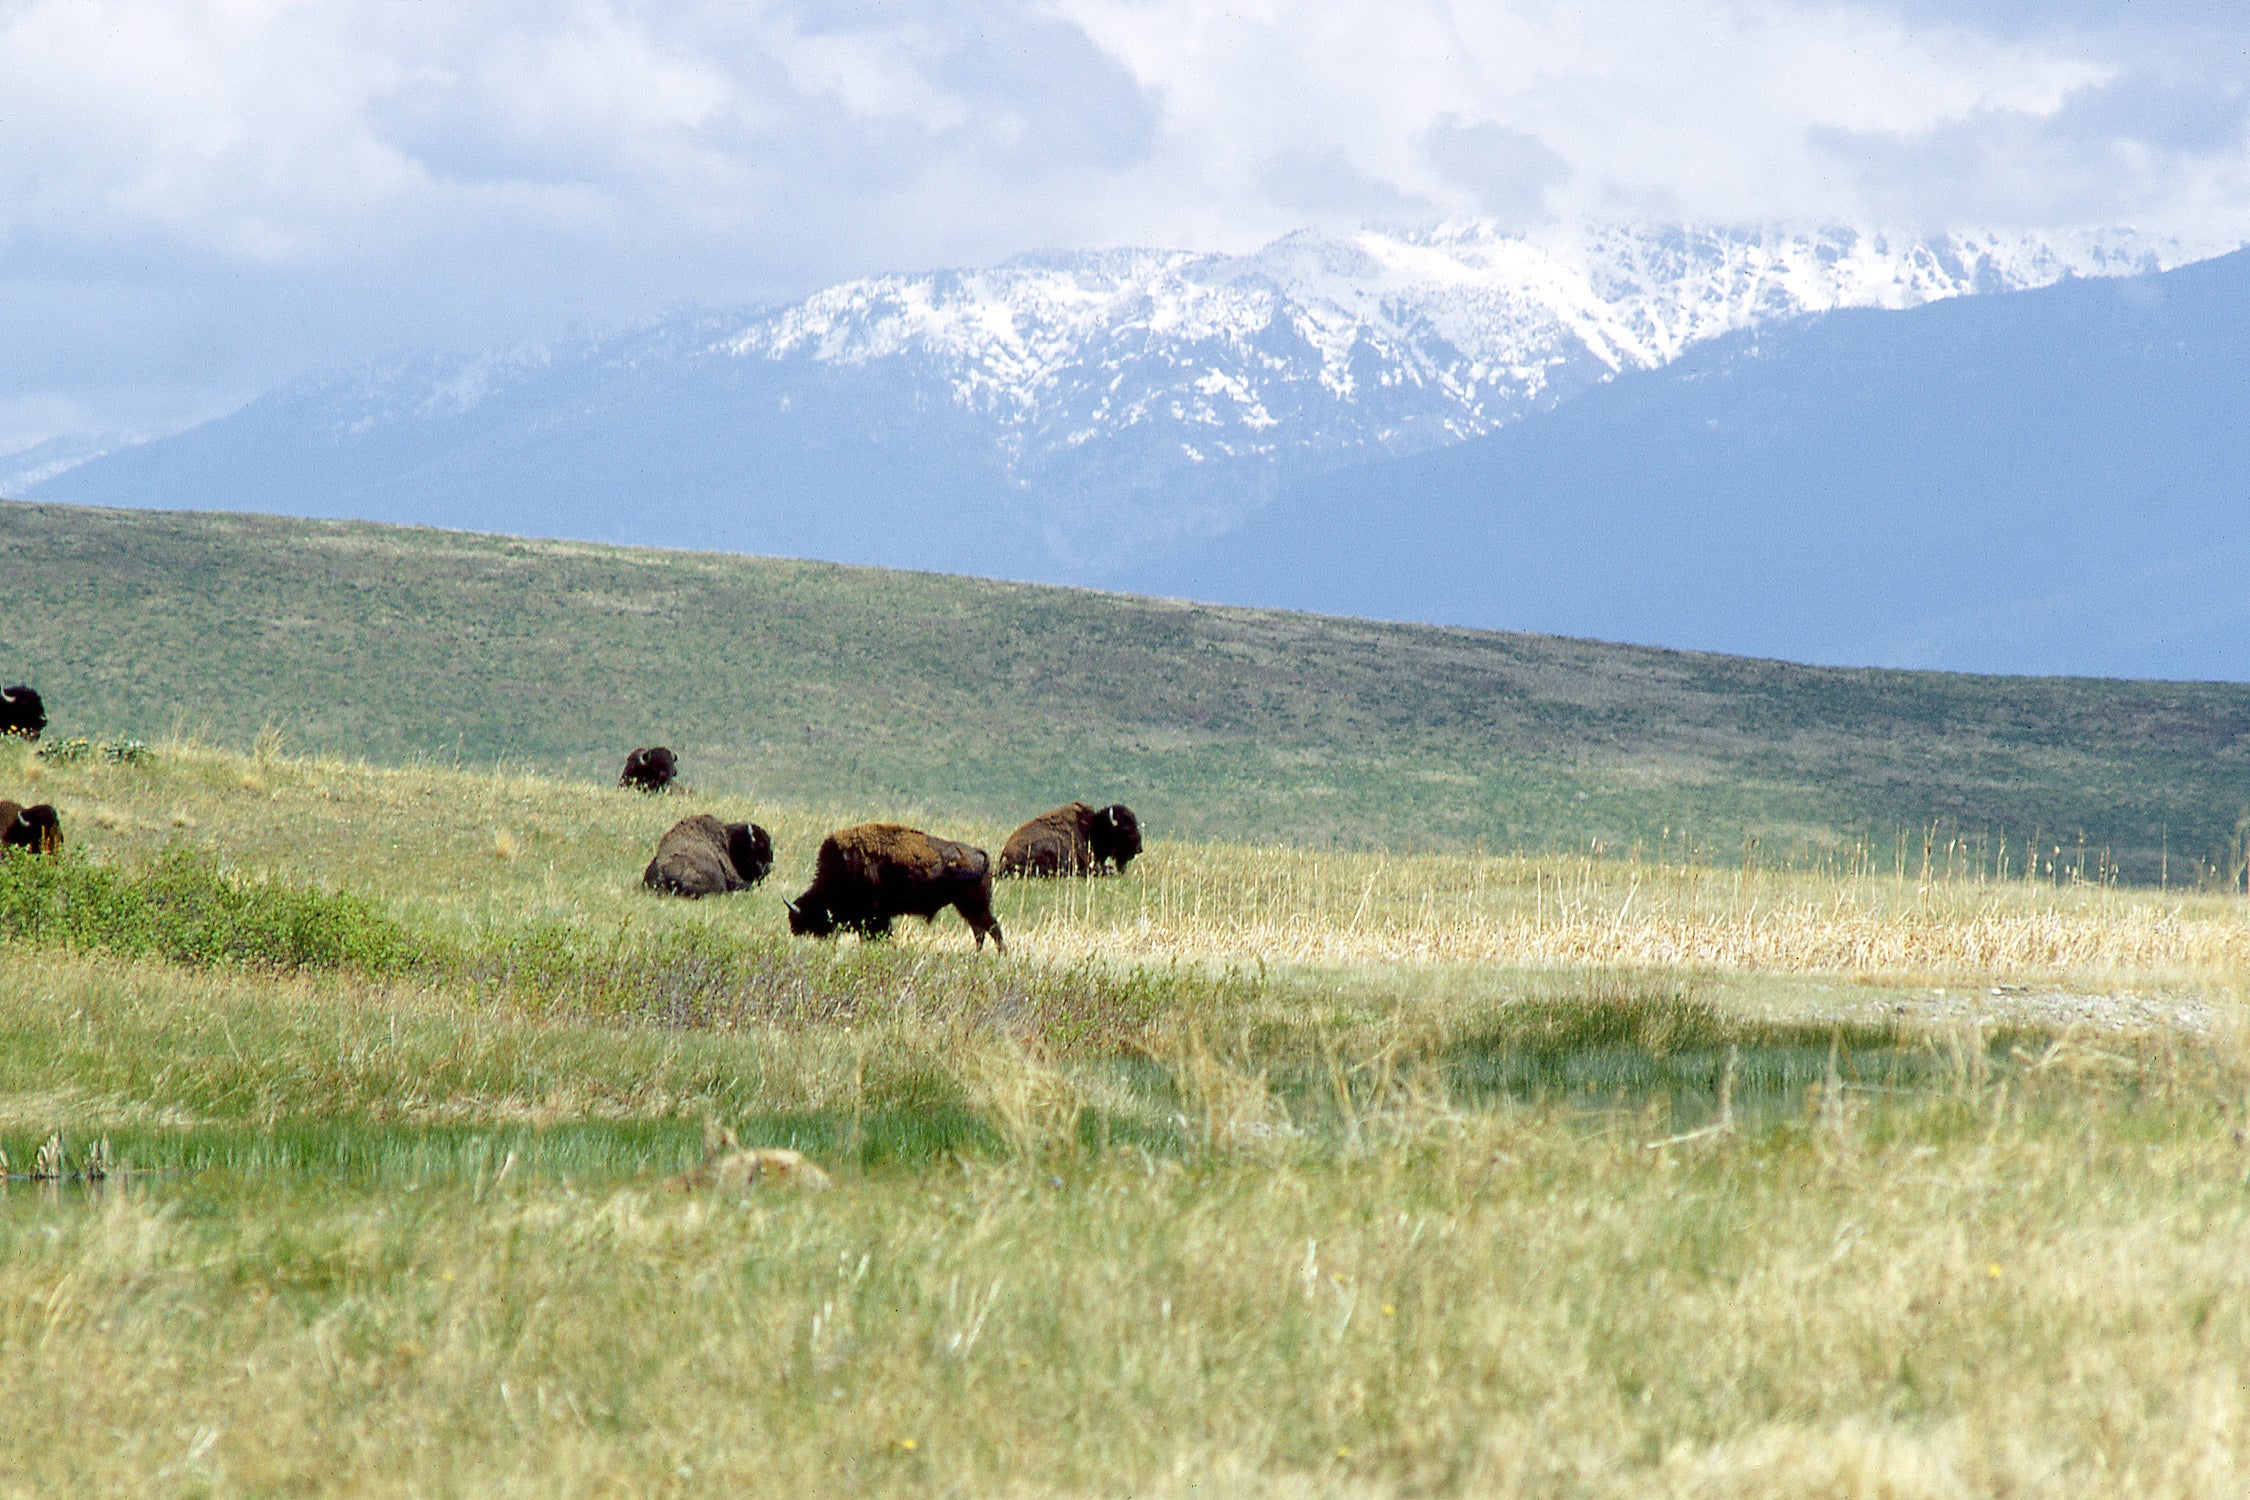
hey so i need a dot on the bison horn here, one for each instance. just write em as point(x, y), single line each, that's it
point(794, 910)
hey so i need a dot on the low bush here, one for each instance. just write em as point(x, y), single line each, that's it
point(183, 907)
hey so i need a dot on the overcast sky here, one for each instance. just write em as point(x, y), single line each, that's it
point(200, 199)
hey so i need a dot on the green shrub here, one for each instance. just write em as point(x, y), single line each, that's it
point(183, 907)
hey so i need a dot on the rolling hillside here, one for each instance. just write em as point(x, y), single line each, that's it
point(859, 690)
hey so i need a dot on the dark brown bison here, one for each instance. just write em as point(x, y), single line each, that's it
point(869, 874)
point(35, 828)
point(650, 770)
point(701, 856)
point(22, 713)
point(1073, 840)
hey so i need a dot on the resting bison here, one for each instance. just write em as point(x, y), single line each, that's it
point(869, 874)
point(651, 770)
point(1073, 840)
point(22, 713)
point(35, 828)
point(701, 856)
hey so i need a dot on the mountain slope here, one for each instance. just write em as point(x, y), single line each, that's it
point(884, 693)
point(1062, 416)
point(2057, 481)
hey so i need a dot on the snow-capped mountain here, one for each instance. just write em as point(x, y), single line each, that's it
point(1478, 325)
point(1060, 415)
point(1320, 349)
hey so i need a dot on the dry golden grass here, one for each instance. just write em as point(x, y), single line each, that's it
point(1227, 905)
point(477, 853)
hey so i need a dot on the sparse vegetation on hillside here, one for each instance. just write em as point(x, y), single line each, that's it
point(816, 684)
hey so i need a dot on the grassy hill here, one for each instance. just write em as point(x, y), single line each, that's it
point(859, 689)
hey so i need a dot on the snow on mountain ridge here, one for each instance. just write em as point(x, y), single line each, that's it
point(1483, 319)
point(1320, 344)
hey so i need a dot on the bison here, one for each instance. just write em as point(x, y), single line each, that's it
point(869, 874)
point(701, 856)
point(22, 713)
point(1073, 840)
point(650, 770)
point(36, 828)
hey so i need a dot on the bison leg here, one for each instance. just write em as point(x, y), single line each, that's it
point(976, 910)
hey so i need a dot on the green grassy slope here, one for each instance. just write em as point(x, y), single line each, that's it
point(860, 688)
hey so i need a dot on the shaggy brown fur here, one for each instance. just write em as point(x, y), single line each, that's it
point(701, 856)
point(36, 828)
point(732, 1167)
point(1054, 843)
point(1074, 839)
point(871, 873)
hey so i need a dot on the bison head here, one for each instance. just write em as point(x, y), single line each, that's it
point(751, 849)
point(1116, 835)
point(651, 770)
point(21, 712)
point(35, 828)
point(808, 920)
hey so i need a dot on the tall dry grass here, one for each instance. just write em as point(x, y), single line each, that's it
point(1230, 905)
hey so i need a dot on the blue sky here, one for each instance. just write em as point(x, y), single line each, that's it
point(198, 200)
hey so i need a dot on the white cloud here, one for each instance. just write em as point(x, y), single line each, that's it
point(229, 190)
point(1710, 109)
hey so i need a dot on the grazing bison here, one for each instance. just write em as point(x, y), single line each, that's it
point(35, 828)
point(1073, 840)
point(651, 770)
point(869, 874)
point(701, 856)
point(22, 713)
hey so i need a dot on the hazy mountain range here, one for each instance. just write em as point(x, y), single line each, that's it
point(1209, 424)
point(2054, 481)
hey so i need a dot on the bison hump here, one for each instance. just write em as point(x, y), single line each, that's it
point(870, 849)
